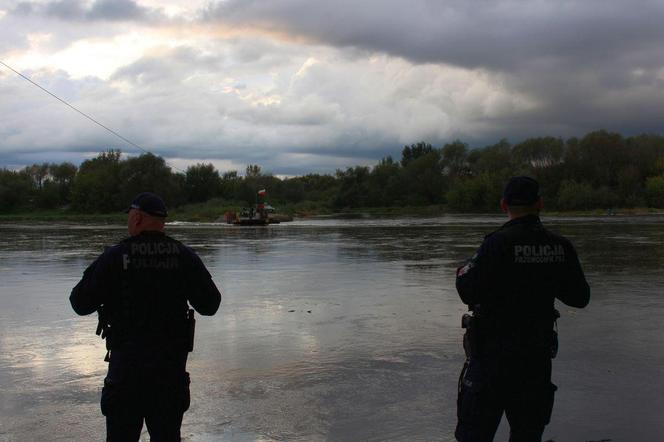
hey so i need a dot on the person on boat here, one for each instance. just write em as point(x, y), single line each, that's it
point(142, 288)
point(510, 286)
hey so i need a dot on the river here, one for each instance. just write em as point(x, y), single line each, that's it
point(335, 330)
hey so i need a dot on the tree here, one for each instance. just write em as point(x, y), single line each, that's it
point(496, 159)
point(477, 193)
point(253, 171)
point(148, 173)
point(415, 151)
point(600, 157)
point(539, 153)
point(583, 196)
point(292, 190)
point(63, 175)
point(319, 188)
point(353, 191)
point(655, 191)
point(38, 172)
point(202, 182)
point(455, 159)
point(230, 183)
point(96, 187)
point(15, 190)
point(424, 178)
point(384, 186)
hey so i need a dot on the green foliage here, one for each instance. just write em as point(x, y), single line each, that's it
point(599, 170)
point(424, 178)
point(248, 188)
point(575, 196)
point(15, 189)
point(598, 157)
point(414, 151)
point(202, 182)
point(455, 159)
point(655, 191)
point(96, 186)
point(148, 173)
point(496, 158)
point(538, 153)
point(253, 171)
point(230, 182)
point(583, 196)
point(353, 187)
point(482, 192)
point(386, 183)
point(63, 177)
point(317, 189)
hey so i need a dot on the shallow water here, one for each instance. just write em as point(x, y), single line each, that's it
point(339, 330)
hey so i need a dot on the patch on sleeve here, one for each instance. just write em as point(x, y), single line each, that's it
point(465, 269)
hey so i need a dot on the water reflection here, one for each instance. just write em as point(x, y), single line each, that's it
point(333, 330)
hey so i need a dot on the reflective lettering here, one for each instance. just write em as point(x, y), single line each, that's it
point(539, 254)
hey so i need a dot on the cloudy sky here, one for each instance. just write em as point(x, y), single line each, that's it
point(301, 86)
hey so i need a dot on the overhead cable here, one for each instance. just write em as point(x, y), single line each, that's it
point(131, 143)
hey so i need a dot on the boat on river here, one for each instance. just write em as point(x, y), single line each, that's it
point(260, 215)
point(249, 217)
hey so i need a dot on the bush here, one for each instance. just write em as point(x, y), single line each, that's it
point(655, 191)
point(480, 193)
point(582, 196)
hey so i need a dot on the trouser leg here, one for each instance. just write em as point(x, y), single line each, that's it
point(529, 411)
point(119, 404)
point(164, 428)
point(123, 428)
point(168, 401)
point(479, 408)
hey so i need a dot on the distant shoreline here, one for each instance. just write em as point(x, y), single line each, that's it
point(369, 212)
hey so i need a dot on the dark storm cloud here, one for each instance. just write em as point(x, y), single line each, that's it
point(587, 64)
point(78, 10)
point(487, 33)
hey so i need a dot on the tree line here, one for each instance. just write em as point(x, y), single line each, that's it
point(600, 170)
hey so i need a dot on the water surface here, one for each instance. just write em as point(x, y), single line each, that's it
point(334, 330)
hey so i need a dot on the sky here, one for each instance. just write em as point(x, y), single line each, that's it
point(311, 86)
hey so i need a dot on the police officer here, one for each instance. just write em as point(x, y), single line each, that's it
point(510, 284)
point(141, 288)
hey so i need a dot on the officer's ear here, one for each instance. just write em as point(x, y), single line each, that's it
point(539, 204)
point(503, 205)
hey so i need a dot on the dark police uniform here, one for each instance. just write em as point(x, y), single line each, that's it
point(143, 286)
point(511, 283)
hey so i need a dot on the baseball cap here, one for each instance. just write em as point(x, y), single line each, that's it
point(521, 191)
point(149, 203)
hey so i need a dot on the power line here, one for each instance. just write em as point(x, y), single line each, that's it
point(131, 143)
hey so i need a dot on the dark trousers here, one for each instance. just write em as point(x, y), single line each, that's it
point(521, 389)
point(163, 423)
point(133, 394)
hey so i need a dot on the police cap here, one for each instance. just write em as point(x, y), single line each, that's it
point(521, 191)
point(149, 203)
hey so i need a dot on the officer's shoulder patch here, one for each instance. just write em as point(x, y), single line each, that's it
point(465, 269)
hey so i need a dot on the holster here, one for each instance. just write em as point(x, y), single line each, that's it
point(104, 330)
point(470, 338)
point(554, 334)
point(191, 329)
